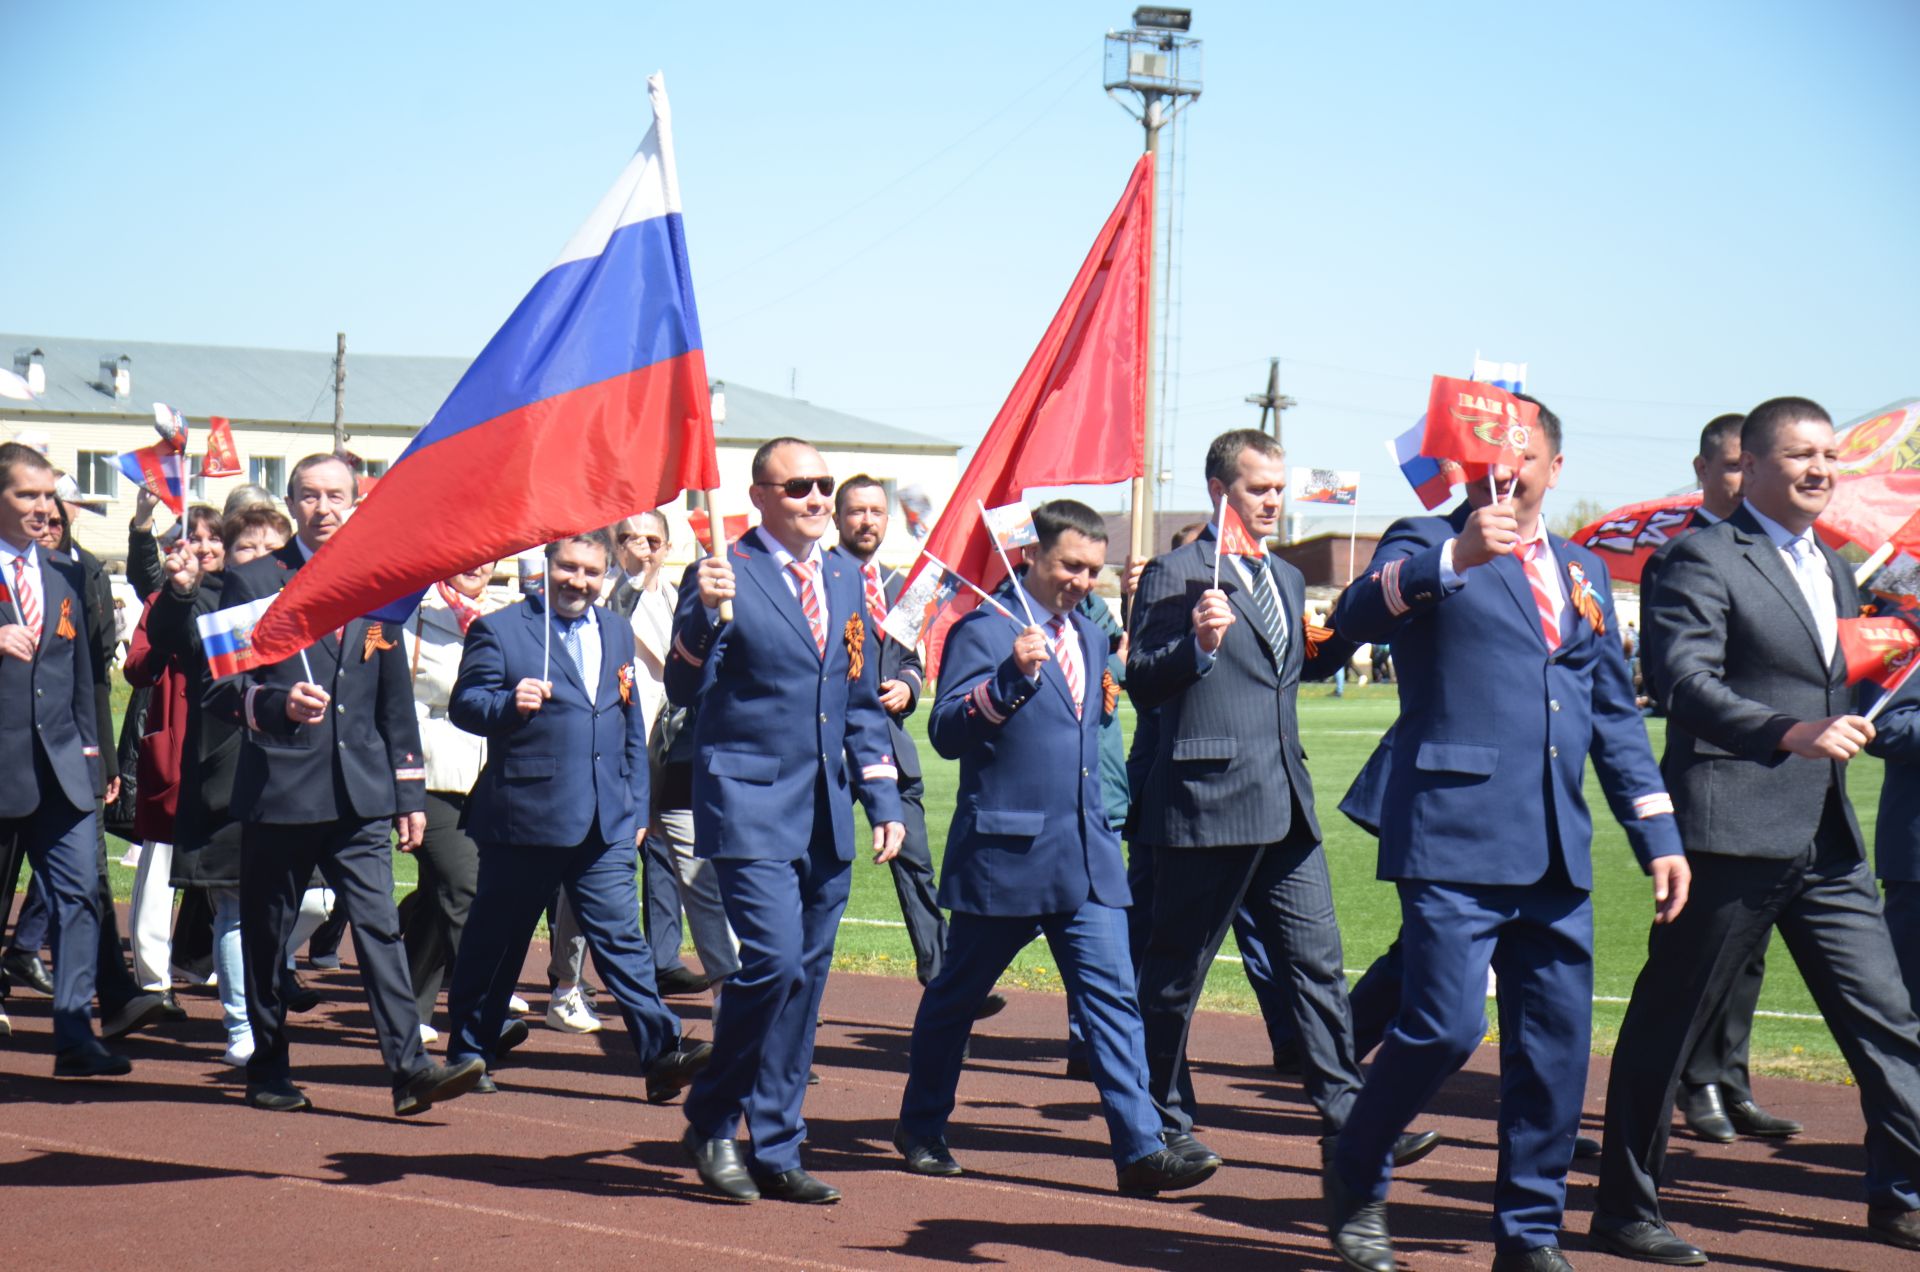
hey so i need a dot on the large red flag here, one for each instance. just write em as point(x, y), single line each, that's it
point(1077, 414)
point(1627, 536)
point(1868, 510)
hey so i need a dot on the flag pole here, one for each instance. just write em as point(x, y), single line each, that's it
point(546, 628)
point(717, 536)
point(972, 586)
point(1898, 685)
point(308, 667)
point(986, 523)
point(1872, 563)
point(1219, 537)
point(1353, 535)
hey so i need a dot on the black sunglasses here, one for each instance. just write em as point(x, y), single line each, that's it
point(797, 487)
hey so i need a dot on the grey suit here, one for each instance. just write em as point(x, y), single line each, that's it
point(1227, 809)
point(1772, 841)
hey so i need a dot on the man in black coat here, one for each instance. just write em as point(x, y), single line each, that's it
point(1743, 630)
point(331, 760)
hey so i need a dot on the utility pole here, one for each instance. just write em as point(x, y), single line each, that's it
point(1147, 60)
point(1274, 402)
point(340, 393)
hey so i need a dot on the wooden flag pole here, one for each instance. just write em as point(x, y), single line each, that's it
point(717, 536)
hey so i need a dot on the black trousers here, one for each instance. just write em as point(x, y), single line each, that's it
point(1828, 911)
point(1727, 1032)
point(449, 864)
point(1289, 896)
point(356, 859)
point(914, 883)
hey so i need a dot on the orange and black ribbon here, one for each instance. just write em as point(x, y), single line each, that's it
point(66, 629)
point(855, 636)
point(376, 639)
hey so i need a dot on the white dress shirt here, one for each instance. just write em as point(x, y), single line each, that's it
point(588, 625)
point(34, 583)
point(1808, 565)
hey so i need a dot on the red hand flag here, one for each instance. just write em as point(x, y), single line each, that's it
point(1235, 538)
point(222, 458)
point(734, 527)
point(1476, 423)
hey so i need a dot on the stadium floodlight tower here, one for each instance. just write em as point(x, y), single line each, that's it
point(1153, 71)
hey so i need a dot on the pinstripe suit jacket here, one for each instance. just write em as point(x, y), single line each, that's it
point(1226, 766)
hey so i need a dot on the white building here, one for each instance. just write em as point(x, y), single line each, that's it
point(94, 400)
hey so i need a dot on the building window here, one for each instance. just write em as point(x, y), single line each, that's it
point(98, 475)
point(268, 472)
point(377, 468)
point(196, 480)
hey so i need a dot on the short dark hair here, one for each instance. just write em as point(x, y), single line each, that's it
point(19, 455)
point(1714, 436)
point(859, 481)
point(765, 453)
point(254, 517)
point(200, 515)
point(1057, 516)
point(599, 538)
point(1223, 453)
point(314, 461)
point(1188, 533)
point(1765, 421)
point(1548, 421)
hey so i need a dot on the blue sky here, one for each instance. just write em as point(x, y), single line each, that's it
point(1667, 210)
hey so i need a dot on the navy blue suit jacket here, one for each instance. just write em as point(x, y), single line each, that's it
point(549, 776)
point(897, 662)
point(368, 747)
point(1490, 751)
point(1029, 833)
point(775, 718)
point(47, 704)
point(1896, 835)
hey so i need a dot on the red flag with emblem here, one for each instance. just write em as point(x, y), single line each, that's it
point(1476, 423)
point(1627, 536)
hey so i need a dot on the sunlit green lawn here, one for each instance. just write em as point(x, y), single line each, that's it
point(1339, 734)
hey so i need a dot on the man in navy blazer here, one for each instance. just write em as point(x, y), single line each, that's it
point(1030, 846)
point(1511, 675)
point(50, 749)
point(561, 803)
point(1896, 860)
point(789, 729)
point(329, 769)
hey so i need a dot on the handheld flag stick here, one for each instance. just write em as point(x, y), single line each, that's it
point(1866, 568)
point(986, 523)
point(717, 530)
point(307, 667)
point(1894, 692)
point(1219, 537)
point(975, 588)
point(546, 628)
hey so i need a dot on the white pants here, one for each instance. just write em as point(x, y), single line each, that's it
point(151, 917)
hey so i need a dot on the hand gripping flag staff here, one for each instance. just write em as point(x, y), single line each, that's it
point(593, 396)
point(161, 467)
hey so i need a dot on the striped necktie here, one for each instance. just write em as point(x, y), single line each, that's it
point(1534, 556)
point(803, 572)
point(1268, 605)
point(25, 599)
point(570, 641)
point(1066, 643)
point(876, 595)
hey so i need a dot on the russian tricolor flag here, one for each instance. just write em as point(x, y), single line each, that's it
point(161, 469)
point(590, 404)
point(227, 637)
point(1432, 479)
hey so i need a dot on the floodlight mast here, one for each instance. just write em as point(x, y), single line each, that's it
point(1159, 63)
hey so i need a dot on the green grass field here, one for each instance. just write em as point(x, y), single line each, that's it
point(1340, 733)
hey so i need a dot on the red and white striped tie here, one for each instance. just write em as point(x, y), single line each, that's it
point(804, 571)
point(24, 597)
point(1066, 643)
point(876, 595)
point(1534, 555)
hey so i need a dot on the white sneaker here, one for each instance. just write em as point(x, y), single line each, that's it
point(569, 1013)
point(6, 1026)
point(428, 1034)
point(130, 859)
point(518, 1005)
point(239, 1051)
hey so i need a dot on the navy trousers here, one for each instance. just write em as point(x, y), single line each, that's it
point(61, 844)
point(785, 914)
point(1090, 945)
point(515, 883)
point(1539, 939)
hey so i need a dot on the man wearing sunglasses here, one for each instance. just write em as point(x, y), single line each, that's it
point(789, 728)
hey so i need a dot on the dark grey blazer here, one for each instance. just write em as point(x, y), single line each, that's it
point(1226, 767)
point(1739, 663)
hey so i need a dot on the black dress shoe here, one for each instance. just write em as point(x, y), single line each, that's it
point(797, 1186)
point(512, 1034)
point(484, 1086)
point(1414, 1145)
point(324, 962)
point(170, 1008)
point(1894, 1226)
point(140, 1010)
point(436, 1084)
point(1749, 1118)
point(1358, 1227)
point(299, 998)
point(27, 970)
point(679, 981)
point(1077, 1067)
point(720, 1167)
point(992, 1005)
point(278, 1096)
point(1286, 1060)
point(90, 1060)
point(925, 1156)
point(670, 1073)
point(1644, 1240)
point(1705, 1114)
point(1187, 1148)
point(1538, 1259)
point(813, 1077)
point(1163, 1170)
point(1585, 1148)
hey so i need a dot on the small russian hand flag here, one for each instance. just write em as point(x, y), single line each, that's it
point(227, 637)
point(159, 469)
point(1432, 479)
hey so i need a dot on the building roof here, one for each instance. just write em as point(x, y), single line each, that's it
point(296, 386)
